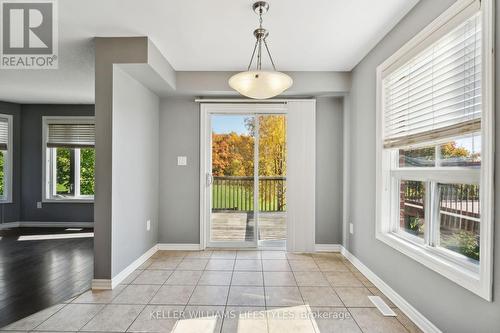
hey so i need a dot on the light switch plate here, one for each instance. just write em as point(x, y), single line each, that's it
point(182, 160)
point(351, 228)
point(39, 204)
point(148, 225)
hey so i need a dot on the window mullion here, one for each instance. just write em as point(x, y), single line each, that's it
point(77, 172)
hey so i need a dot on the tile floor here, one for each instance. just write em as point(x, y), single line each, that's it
point(228, 291)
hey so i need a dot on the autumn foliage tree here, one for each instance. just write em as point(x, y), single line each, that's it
point(233, 154)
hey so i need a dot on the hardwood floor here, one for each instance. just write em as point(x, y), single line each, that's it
point(40, 267)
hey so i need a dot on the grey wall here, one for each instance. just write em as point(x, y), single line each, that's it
point(135, 170)
point(31, 167)
point(108, 51)
point(180, 186)
point(329, 148)
point(11, 212)
point(27, 171)
point(449, 306)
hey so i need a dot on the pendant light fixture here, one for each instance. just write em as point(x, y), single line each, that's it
point(258, 83)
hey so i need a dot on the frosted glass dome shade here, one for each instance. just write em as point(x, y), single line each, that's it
point(260, 84)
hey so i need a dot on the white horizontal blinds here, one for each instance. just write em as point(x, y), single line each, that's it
point(4, 133)
point(71, 135)
point(437, 93)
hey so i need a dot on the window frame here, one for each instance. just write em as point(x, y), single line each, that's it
point(475, 278)
point(48, 159)
point(9, 160)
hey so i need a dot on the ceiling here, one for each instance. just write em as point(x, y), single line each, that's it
point(202, 35)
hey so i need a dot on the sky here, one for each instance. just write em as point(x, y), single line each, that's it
point(229, 123)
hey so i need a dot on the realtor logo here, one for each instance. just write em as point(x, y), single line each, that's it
point(29, 35)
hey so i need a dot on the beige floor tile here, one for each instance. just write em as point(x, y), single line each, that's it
point(248, 265)
point(216, 278)
point(355, 297)
point(150, 276)
point(303, 266)
point(247, 278)
point(114, 317)
point(372, 321)
point(275, 265)
point(70, 318)
point(99, 296)
point(173, 295)
point(299, 256)
point(131, 277)
point(199, 254)
point(192, 264)
point(313, 279)
point(279, 279)
point(169, 254)
point(328, 255)
point(200, 319)
point(283, 296)
point(146, 264)
point(245, 320)
point(209, 295)
point(223, 254)
point(30, 322)
point(343, 279)
point(406, 322)
point(290, 319)
point(167, 263)
point(136, 294)
point(334, 320)
point(184, 278)
point(364, 280)
point(320, 296)
point(220, 265)
point(157, 318)
point(246, 296)
point(244, 254)
point(331, 266)
point(273, 254)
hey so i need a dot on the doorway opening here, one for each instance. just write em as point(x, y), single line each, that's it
point(246, 180)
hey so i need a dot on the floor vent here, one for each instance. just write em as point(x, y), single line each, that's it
point(382, 306)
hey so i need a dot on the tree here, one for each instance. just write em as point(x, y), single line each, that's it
point(272, 145)
point(232, 154)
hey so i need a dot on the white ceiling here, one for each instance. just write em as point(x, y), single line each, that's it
point(203, 35)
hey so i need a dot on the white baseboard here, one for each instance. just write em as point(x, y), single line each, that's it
point(328, 247)
point(178, 247)
point(118, 278)
point(419, 319)
point(40, 224)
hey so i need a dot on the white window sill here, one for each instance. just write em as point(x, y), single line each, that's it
point(466, 278)
point(67, 200)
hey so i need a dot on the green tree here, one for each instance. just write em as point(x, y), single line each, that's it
point(63, 172)
point(87, 171)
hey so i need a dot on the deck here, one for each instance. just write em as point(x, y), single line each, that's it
point(239, 226)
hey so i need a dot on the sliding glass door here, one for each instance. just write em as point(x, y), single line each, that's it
point(247, 180)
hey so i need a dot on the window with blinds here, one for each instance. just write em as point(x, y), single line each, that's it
point(72, 135)
point(437, 94)
point(4, 133)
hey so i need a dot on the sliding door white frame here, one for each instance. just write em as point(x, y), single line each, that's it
point(206, 110)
